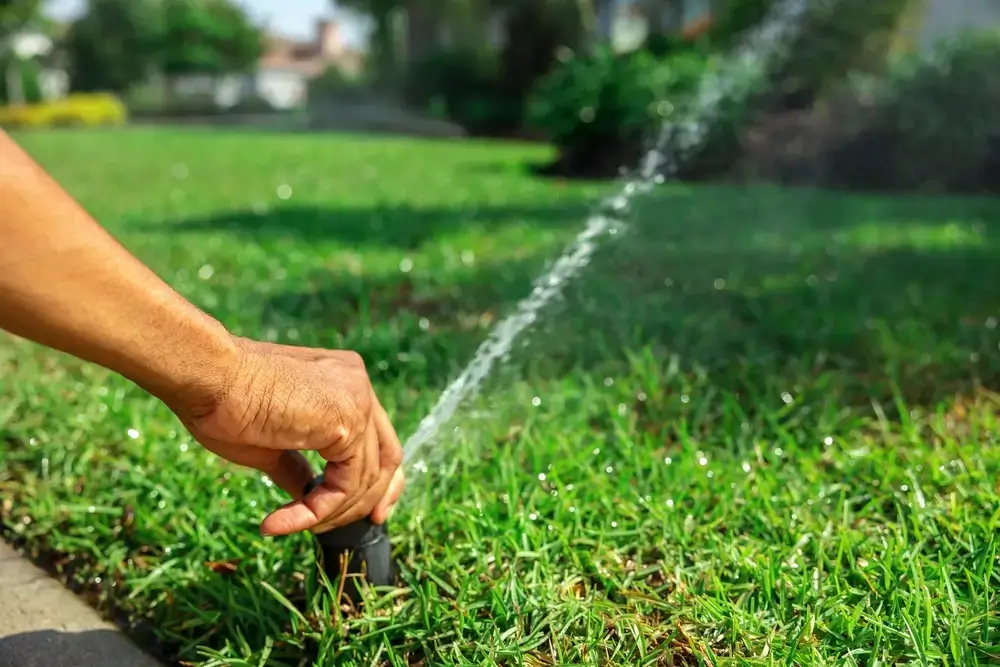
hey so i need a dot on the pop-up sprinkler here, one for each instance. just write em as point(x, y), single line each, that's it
point(359, 550)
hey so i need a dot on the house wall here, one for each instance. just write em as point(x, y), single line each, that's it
point(283, 89)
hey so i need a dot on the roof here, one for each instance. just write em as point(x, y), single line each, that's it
point(304, 57)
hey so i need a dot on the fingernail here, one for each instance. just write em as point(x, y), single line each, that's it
point(266, 533)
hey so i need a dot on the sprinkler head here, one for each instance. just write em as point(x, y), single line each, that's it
point(355, 552)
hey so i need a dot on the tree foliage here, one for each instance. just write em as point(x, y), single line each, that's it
point(116, 44)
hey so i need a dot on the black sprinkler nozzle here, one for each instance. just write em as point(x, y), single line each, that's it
point(359, 550)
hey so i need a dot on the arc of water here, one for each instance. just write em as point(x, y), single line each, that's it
point(737, 78)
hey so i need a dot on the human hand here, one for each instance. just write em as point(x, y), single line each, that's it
point(281, 400)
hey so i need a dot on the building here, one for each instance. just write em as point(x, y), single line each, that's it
point(283, 73)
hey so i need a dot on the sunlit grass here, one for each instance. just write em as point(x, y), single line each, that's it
point(762, 429)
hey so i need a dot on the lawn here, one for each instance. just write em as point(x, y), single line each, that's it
point(761, 429)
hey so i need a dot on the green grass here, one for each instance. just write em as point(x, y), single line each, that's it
point(764, 433)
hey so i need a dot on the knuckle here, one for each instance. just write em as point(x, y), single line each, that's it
point(353, 358)
point(394, 457)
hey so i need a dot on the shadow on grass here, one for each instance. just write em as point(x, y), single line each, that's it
point(761, 288)
point(397, 226)
point(765, 290)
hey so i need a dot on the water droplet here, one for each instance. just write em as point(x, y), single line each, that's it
point(569, 487)
point(532, 516)
point(786, 397)
point(641, 396)
point(614, 524)
point(746, 467)
point(541, 477)
point(904, 487)
point(778, 451)
point(161, 504)
point(253, 503)
point(206, 271)
point(685, 398)
point(720, 283)
point(425, 323)
point(91, 509)
point(284, 191)
point(572, 509)
point(703, 461)
point(622, 409)
point(668, 460)
point(406, 265)
point(184, 447)
point(468, 257)
point(132, 433)
point(991, 323)
point(587, 114)
point(828, 440)
point(536, 401)
point(33, 442)
point(608, 382)
point(597, 450)
point(609, 469)
point(670, 503)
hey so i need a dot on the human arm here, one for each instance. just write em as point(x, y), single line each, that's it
point(66, 283)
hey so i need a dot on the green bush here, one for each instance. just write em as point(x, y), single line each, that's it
point(334, 84)
point(935, 124)
point(463, 85)
point(834, 37)
point(598, 109)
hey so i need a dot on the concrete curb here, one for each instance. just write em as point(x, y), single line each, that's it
point(42, 624)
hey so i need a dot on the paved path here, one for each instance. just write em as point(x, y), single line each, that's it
point(42, 624)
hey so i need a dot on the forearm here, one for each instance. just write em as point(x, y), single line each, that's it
point(67, 284)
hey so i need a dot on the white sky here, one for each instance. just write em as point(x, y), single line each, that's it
point(294, 18)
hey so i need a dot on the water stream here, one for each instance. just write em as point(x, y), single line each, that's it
point(737, 78)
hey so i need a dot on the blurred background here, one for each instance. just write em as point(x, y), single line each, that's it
point(583, 74)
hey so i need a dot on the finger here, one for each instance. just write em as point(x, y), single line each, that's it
point(390, 457)
point(323, 502)
point(385, 506)
point(361, 509)
point(390, 449)
point(290, 470)
point(366, 476)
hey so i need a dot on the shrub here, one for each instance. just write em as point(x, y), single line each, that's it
point(598, 109)
point(464, 86)
point(90, 109)
point(934, 124)
point(834, 37)
point(333, 84)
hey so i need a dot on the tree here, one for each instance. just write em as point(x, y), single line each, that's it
point(113, 45)
point(384, 39)
point(211, 37)
point(15, 16)
point(117, 44)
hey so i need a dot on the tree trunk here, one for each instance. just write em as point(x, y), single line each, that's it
point(604, 11)
point(421, 29)
point(15, 87)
